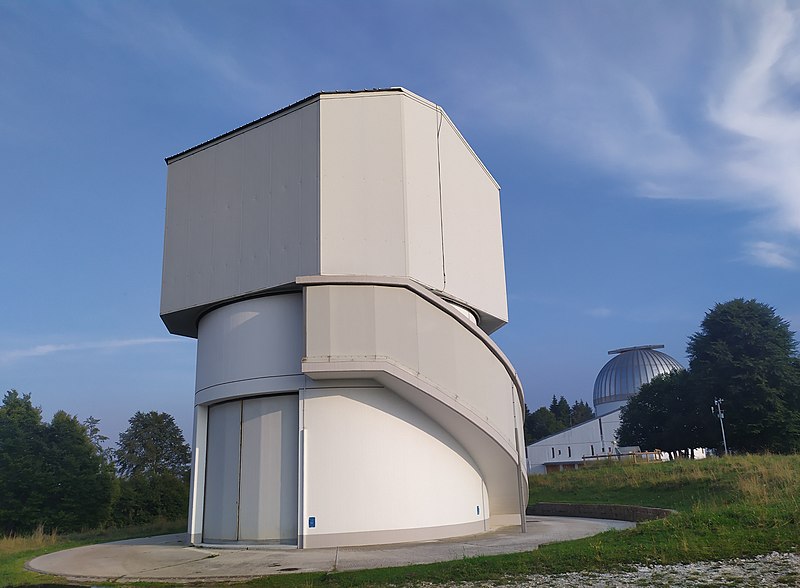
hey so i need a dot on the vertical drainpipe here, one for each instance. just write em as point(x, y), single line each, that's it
point(520, 475)
point(198, 472)
point(301, 473)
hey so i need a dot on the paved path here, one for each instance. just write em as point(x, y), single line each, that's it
point(167, 558)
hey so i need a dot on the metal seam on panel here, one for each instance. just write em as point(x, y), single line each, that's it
point(247, 380)
point(439, 180)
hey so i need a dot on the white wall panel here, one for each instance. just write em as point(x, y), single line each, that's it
point(473, 238)
point(362, 203)
point(220, 520)
point(424, 229)
point(357, 307)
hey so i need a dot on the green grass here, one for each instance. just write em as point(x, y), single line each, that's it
point(15, 550)
point(733, 507)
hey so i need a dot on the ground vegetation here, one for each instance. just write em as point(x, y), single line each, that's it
point(736, 507)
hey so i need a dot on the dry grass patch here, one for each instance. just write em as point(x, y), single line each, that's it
point(14, 543)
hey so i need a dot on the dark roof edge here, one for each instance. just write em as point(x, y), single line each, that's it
point(258, 121)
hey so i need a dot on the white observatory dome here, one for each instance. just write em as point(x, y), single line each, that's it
point(621, 378)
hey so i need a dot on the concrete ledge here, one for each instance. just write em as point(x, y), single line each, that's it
point(617, 512)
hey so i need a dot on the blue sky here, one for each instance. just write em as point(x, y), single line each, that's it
point(648, 153)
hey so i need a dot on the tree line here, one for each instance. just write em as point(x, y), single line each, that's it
point(547, 421)
point(744, 354)
point(60, 475)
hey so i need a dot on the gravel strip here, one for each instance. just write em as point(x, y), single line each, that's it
point(775, 569)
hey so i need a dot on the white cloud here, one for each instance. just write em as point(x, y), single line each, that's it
point(769, 254)
point(689, 102)
point(50, 348)
point(599, 312)
point(758, 107)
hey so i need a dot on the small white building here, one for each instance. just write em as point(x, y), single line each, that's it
point(618, 381)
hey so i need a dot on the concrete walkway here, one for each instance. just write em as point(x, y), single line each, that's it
point(168, 559)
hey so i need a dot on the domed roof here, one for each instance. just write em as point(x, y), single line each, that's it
point(622, 376)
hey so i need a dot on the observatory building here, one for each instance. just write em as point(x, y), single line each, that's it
point(618, 381)
point(340, 263)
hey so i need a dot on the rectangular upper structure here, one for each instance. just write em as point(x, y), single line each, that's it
point(357, 183)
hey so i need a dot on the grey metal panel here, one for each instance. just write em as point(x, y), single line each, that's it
point(220, 519)
point(268, 495)
point(242, 216)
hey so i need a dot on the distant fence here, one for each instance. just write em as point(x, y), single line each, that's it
point(634, 456)
point(619, 512)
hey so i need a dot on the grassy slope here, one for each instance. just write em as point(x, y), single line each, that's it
point(732, 507)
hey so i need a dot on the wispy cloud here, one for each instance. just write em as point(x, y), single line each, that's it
point(769, 254)
point(51, 348)
point(167, 41)
point(689, 103)
point(599, 312)
point(758, 107)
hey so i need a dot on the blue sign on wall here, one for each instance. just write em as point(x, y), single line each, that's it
point(312, 522)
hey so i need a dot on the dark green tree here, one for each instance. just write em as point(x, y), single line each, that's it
point(746, 354)
point(50, 474)
point(82, 481)
point(153, 460)
point(24, 480)
point(152, 445)
point(561, 411)
point(580, 412)
point(541, 424)
point(665, 415)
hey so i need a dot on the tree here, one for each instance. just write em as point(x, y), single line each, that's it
point(23, 478)
point(580, 412)
point(559, 416)
point(153, 445)
point(665, 415)
point(82, 480)
point(541, 424)
point(560, 410)
point(746, 354)
point(153, 460)
point(50, 474)
point(743, 353)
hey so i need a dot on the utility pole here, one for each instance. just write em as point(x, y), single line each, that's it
point(717, 409)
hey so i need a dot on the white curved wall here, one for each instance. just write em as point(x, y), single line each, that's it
point(250, 347)
point(378, 470)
